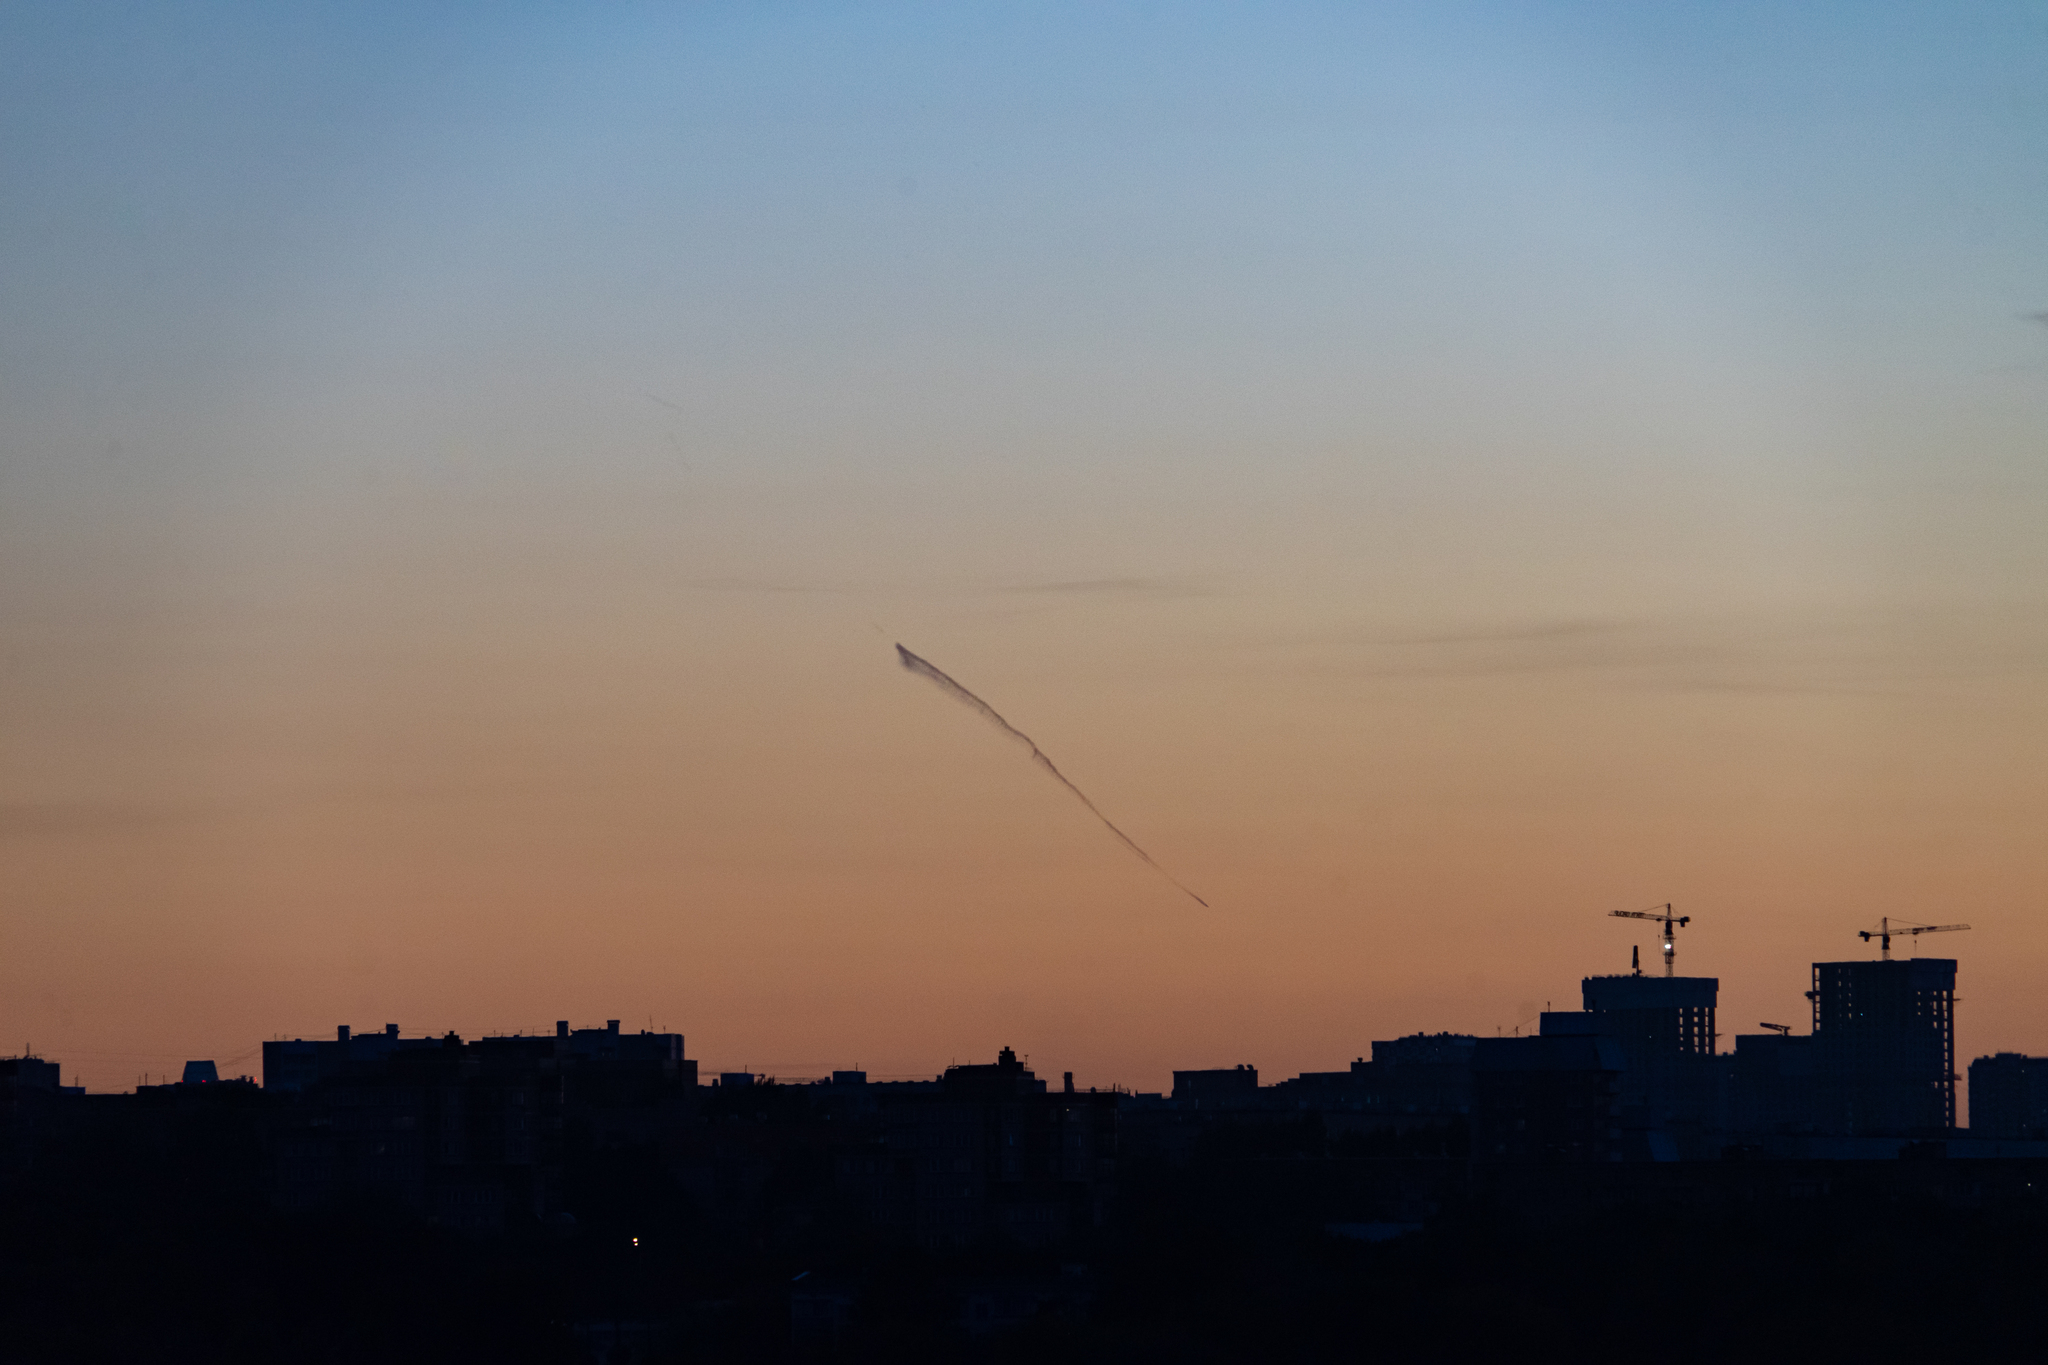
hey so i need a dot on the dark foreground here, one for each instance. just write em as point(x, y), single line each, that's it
point(1231, 1260)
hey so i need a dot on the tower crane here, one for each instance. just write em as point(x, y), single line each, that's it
point(1670, 922)
point(1885, 929)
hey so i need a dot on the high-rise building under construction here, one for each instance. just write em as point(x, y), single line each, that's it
point(1884, 1035)
point(1665, 1026)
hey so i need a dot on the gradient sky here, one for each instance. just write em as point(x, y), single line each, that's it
point(1434, 474)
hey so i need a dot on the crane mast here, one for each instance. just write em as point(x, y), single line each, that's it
point(1885, 929)
point(1670, 922)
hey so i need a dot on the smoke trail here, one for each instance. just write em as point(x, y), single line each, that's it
point(927, 670)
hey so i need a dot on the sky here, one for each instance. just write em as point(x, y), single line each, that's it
point(1432, 474)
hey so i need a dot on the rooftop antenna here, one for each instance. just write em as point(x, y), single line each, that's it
point(1885, 929)
point(1670, 922)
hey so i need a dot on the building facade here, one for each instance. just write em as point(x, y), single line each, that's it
point(2009, 1097)
point(1884, 1039)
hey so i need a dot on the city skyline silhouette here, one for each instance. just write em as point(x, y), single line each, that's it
point(1521, 524)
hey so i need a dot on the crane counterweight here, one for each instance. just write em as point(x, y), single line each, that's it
point(1670, 922)
point(1885, 929)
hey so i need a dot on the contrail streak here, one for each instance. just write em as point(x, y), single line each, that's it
point(959, 693)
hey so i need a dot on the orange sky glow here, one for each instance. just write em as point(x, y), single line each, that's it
point(1430, 487)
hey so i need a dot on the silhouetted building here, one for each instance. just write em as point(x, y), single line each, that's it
point(199, 1073)
point(1425, 1049)
point(297, 1064)
point(471, 1134)
point(993, 1305)
point(2009, 1096)
point(1884, 1034)
point(1357, 1089)
point(987, 1156)
point(1657, 1053)
point(432, 1130)
point(1770, 1078)
point(1222, 1087)
point(821, 1308)
point(29, 1092)
point(1426, 1073)
point(1551, 1098)
point(1665, 1027)
point(24, 1075)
